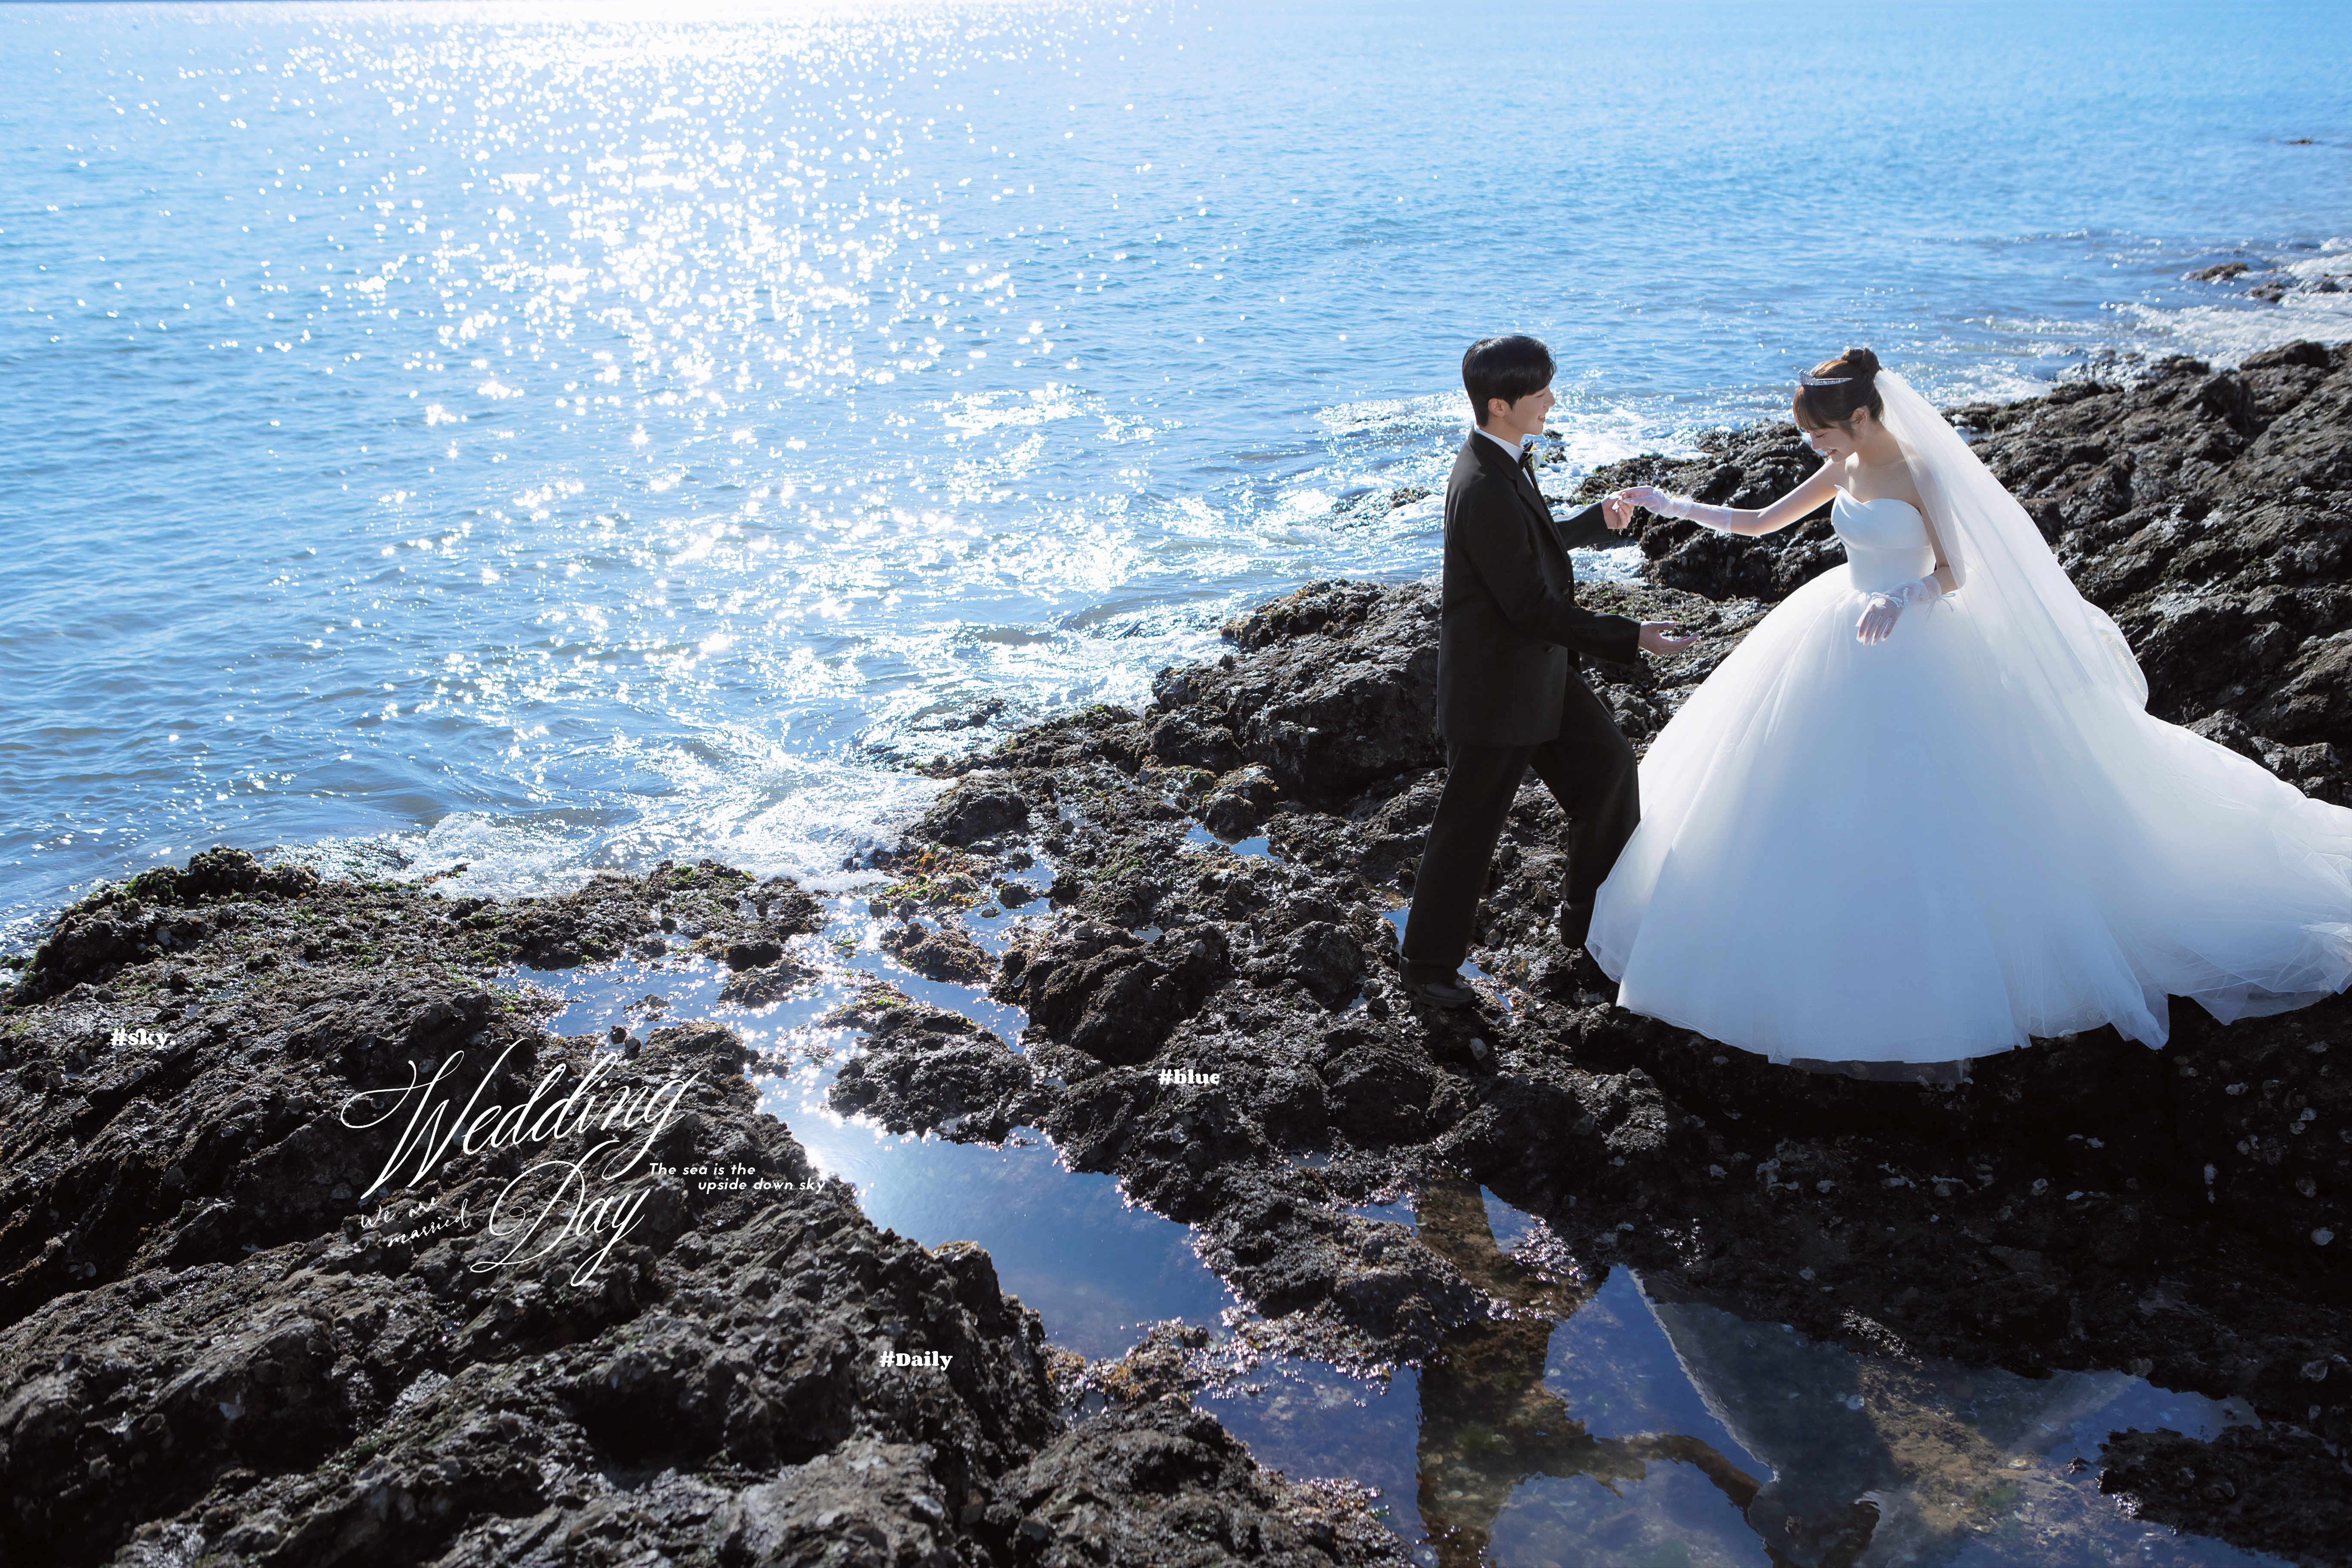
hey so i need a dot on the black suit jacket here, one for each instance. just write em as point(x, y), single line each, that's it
point(1510, 633)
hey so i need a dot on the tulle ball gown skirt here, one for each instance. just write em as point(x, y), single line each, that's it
point(1892, 853)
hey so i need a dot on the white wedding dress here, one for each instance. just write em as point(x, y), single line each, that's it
point(1921, 852)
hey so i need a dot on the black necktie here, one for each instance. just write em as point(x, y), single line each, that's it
point(1528, 466)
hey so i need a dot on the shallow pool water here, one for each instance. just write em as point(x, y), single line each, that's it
point(1604, 1425)
point(1068, 1244)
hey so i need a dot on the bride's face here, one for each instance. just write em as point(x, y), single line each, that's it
point(1836, 443)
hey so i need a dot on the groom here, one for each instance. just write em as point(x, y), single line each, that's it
point(1511, 644)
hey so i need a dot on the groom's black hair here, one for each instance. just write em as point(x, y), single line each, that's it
point(1509, 368)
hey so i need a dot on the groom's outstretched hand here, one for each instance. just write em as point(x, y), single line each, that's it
point(1658, 636)
point(1618, 512)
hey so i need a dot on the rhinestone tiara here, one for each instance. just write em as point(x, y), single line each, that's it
point(1823, 380)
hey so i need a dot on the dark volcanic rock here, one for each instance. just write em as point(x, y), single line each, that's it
point(972, 811)
point(153, 915)
point(1100, 735)
point(284, 1360)
point(939, 953)
point(1117, 999)
point(925, 1070)
point(1185, 738)
point(1240, 802)
point(756, 987)
point(226, 904)
point(1341, 694)
point(2266, 1490)
point(1325, 959)
point(217, 1342)
point(1201, 1499)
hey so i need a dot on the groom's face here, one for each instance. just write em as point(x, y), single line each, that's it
point(1525, 418)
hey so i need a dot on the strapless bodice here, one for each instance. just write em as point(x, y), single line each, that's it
point(1886, 541)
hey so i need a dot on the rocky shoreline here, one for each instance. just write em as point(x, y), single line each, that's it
point(210, 1345)
point(214, 1350)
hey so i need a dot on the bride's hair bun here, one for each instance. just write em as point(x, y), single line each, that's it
point(1837, 389)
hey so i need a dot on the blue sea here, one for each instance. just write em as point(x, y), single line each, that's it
point(542, 438)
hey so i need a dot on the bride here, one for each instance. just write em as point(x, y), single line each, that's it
point(1919, 814)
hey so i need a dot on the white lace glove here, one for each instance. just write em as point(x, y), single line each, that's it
point(1877, 622)
point(1721, 518)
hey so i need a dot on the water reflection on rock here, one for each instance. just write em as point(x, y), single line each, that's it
point(1593, 1420)
point(1069, 1244)
point(1488, 1421)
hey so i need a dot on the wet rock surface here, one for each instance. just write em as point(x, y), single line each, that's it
point(279, 918)
point(922, 1063)
point(938, 953)
point(217, 1343)
point(1193, 1496)
point(2267, 1491)
point(2274, 279)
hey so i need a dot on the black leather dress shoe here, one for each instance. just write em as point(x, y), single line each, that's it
point(1574, 923)
point(1447, 993)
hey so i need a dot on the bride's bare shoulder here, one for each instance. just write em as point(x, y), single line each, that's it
point(1888, 480)
point(1835, 474)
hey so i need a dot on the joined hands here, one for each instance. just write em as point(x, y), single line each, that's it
point(1618, 508)
point(1658, 636)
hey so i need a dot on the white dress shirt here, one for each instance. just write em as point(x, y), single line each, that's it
point(1512, 446)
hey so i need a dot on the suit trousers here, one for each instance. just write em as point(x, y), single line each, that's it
point(1591, 771)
